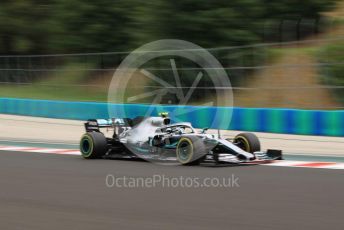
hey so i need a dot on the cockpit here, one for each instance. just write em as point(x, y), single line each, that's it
point(177, 129)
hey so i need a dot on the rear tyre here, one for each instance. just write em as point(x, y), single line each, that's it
point(190, 150)
point(93, 145)
point(248, 142)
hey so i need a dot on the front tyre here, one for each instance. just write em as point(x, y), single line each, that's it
point(93, 145)
point(248, 142)
point(190, 150)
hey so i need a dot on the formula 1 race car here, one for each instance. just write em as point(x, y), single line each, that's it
point(156, 139)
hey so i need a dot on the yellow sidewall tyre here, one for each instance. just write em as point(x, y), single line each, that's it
point(248, 142)
point(190, 150)
point(93, 145)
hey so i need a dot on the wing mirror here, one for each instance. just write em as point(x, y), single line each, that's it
point(204, 130)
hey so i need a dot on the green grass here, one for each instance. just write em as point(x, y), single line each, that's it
point(66, 84)
point(276, 52)
point(60, 85)
point(72, 73)
point(67, 93)
point(332, 74)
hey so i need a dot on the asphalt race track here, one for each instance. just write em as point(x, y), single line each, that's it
point(47, 191)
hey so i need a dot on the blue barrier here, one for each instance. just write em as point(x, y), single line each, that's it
point(289, 121)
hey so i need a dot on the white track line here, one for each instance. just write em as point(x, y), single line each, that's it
point(283, 163)
point(308, 164)
point(41, 150)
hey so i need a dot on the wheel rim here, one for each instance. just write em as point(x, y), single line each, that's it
point(86, 146)
point(242, 143)
point(184, 151)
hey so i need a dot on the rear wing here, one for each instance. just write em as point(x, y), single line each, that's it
point(96, 124)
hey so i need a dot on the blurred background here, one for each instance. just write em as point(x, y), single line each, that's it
point(283, 54)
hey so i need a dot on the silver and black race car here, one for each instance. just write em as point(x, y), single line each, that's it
point(156, 139)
